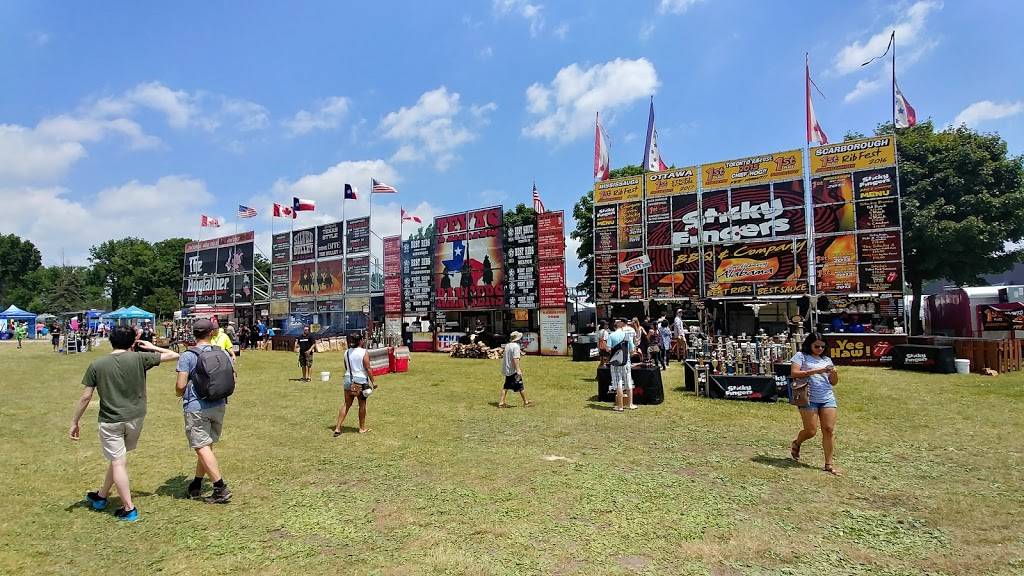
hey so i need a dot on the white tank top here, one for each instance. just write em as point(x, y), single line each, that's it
point(354, 358)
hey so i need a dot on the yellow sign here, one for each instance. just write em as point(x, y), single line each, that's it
point(671, 182)
point(619, 190)
point(754, 170)
point(278, 307)
point(521, 315)
point(877, 152)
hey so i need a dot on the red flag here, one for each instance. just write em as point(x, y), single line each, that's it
point(208, 221)
point(282, 211)
point(406, 217)
point(814, 131)
point(602, 162)
point(302, 204)
point(905, 114)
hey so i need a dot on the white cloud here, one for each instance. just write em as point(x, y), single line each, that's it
point(41, 210)
point(327, 116)
point(326, 187)
point(676, 6)
point(26, 156)
point(579, 94)
point(177, 105)
point(912, 41)
point(532, 13)
point(430, 128)
point(646, 31)
point(562, 31)
point(986, 110)
point(485, 53)
point(248, 115)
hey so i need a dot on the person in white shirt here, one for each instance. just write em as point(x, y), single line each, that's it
point(359, 383)
point(679, 331)
point(513, 370)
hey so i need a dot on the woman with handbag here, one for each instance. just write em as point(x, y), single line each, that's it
point(814, 376)
point(358, 383)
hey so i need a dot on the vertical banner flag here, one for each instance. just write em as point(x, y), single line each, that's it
point(538, 206)
point(905, 114)
point(602, 161)
point(652, 156)
point(814, 131)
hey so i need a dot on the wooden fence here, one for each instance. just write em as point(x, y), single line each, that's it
point(999, 355)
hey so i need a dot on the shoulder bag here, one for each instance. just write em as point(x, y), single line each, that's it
point(800, 389)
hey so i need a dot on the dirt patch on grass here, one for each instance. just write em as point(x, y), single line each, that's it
point(686, 472)
point(567, 568)
point(635, 563)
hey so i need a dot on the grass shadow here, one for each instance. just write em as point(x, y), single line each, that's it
point(604, 407)
point(776, 462)
point(176, 487)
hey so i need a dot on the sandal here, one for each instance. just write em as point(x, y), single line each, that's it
point(502, 405)
point(794, 451)
point(832, 470)
point(337, 433)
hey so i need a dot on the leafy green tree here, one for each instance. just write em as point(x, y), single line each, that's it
point(963, 202)
point(163, 302)
point(583, 213)
point(522, 214)
point(125, 266)
point(18, 258)
point(424, 231)
point(67, 289)
point(259, 262)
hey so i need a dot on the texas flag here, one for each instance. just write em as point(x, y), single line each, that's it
point(282, 211)
point(350, 192)
point(303, 204)
point(209, 221)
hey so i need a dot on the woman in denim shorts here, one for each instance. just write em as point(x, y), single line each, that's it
point(812, 363)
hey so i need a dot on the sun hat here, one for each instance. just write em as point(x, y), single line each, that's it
point(515, 336)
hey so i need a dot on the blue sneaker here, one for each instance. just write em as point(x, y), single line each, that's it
point(127, 515)
point(95, 501)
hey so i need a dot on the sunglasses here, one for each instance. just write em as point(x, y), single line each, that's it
point(818, 346)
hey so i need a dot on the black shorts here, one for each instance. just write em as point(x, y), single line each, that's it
point(305, 360)
point(514, 383)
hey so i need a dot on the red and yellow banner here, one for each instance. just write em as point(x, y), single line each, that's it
point(671, 182)
point(618, 190)
point(876, 152)
point(753, 170)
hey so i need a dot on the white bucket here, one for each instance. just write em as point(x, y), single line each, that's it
point(325, 376)
point(963, 366)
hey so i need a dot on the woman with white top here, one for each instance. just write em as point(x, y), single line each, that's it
point(358, 382)
point(811, 363)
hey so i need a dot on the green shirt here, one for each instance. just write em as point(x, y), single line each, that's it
point(120, 380)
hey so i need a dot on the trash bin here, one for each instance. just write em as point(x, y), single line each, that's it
point(963, 366)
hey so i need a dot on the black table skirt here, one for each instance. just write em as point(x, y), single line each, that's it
point(647, 385)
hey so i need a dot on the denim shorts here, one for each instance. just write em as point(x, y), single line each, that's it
point(815, 406)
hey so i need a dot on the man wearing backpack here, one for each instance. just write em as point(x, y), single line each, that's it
point(206, 377)
point(621, 346)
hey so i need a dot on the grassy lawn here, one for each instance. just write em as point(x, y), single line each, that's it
point(448, 484)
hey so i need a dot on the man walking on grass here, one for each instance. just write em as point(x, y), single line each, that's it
point(307, 347)
point(20, 332)
point(513, 370)
point(200, 370)
point(120, 379)
point(620, 343)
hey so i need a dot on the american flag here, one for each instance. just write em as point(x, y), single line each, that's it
point(538, 206)
point(246, 212)
point(382, 188)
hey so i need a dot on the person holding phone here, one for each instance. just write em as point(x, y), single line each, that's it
point(812, 363)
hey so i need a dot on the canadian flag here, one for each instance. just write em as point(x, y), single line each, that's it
point(905, 114)
point(406, 217)
point(208, 221)
point(814, 131)
point(283, 211)
point(602, 162)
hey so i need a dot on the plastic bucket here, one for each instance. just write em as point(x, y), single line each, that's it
point(963, 366)
point(325, 376)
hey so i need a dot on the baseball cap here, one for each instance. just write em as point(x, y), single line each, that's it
point(202, 326)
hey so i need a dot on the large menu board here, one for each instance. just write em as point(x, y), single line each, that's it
point(328, 240)
point(618, 236)
point(280, 249)
point(469, 260)
point(218, 270)
point(672, 233)
point(551, 258)
point(521, 266)
point(357, 274)
point(756, 268)
point(417, 275)
point(393, 275)
point(858, 241)
point(357, 234)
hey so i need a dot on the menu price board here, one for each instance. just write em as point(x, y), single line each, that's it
point(755, 269)
point(417, 293)
point(358, 274)
point(552, 283)
point(881, 277)
point(393, 275)
point(279, 245)
point(357, 234)
point(551, 249)
point(279, 284)
point(328, 240)
point(631, 226)
point(521, 264)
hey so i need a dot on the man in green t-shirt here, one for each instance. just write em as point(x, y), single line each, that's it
point(20, 332)
point(120, 379)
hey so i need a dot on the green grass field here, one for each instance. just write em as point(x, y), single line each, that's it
point(448, 484)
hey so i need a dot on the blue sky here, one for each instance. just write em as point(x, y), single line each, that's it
point(134, 118)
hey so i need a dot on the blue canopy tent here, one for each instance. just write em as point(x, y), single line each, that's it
point(129, 315)
point(17, 314)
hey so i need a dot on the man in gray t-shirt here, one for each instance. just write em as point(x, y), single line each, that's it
point(512, 369)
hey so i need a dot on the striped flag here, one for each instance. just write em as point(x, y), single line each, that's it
point(814, 131)
point(406, 217)
point(538, 206)
point(602, 160)
point(382, 188)
point(246, 212)
point(209, 222)
point(652, 155)
point(302, 204)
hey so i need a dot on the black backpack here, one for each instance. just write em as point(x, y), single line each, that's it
point(214, 376)
point(620, 353)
